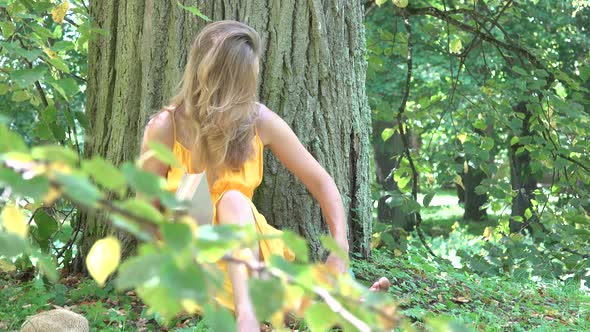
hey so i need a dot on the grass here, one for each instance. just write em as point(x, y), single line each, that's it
point(426, 288)
point(105, 309)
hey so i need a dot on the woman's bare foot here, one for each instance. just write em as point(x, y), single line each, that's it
point(382, 285)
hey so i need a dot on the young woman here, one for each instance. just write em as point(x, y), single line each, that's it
point(216, 125)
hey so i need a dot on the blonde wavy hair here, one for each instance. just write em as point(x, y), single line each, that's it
point(218, 94)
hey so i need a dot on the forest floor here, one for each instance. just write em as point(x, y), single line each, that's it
point(427, 290)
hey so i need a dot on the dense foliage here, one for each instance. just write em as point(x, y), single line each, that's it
point(491, 97)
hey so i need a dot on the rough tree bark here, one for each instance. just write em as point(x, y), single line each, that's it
point(473, 201)
point(312, 74)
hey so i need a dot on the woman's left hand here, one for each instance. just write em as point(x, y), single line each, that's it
point(337, 263)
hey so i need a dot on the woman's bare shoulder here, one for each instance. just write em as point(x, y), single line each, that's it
point(161, 128)
point(266, 123)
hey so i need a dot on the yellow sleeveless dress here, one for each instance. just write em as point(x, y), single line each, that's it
point(244, 180)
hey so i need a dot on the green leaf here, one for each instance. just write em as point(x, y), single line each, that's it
point(264, 304)
point(387, 133)
point(187, 282)
point(213, 241)
point(58, 64)
point(142, 209)
point(396, 199)
point(143, 182)
point(160, 300)
point(10, 141)
point(26, 77)
point(79, 189)
point(11, 245)
point(514, 140)
point(42, 32)
point(411, 207)
point(46, 224)
point(427, 199)
point(20, 96)
point(487, 143)
point(297, 244)
point(35, 188)
point(14, 48)
point(4, 89)
point(131, 226)
point(67, 87)
point(47, 266)
point(402, 181)
point(528, 213)
point(520, 71)
point(177, 235)
point(480, 124)
point(105, 174)
point(7, 29)
point(81, 117)
point(380, 2)
point(195, 11)
point(163, 153)
point(138, 270)
point(219, 319)
point(55, 153)
point(42, 130)
point(320, 318)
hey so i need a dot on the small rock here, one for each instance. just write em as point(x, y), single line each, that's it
point(57, 320)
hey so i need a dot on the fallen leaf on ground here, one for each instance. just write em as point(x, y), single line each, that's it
point(460, 299)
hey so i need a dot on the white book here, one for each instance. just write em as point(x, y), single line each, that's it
point(194, 191)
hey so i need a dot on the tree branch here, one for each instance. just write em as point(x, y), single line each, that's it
point(446, 16)
point(151, 228)
point(404, 136)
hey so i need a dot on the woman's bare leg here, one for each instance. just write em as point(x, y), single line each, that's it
point(234, 208)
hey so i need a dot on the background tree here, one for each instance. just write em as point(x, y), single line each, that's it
point(497, 96)
point(312, 74)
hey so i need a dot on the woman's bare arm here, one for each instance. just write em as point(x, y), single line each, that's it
point(283, 142)
point(159, 129)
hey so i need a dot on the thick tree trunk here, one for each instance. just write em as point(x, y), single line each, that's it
point(312, 74)
point(521, 178)
point(473, 201)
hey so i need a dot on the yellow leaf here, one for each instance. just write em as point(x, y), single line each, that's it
point(397, 252)
point(401, 3)
point(487, 232)
point(465, 167)
point(58, 13)
point(462, 137)
point(293, 297)
point(6, 266)
point(380, 2)
point(14, 221)
point(103, 259)
point(50, 53)
point(456, 46)
point(190, 306)
point(51, 196)
point(278, 318)
point(459, 181)
point(375, 240)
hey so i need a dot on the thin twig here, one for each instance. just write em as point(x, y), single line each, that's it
point(404, 136)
